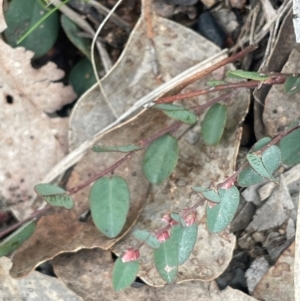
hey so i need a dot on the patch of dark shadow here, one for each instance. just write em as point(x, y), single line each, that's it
point(46, 268)
point(83, 218)
point(9, 99)
point(138, 283)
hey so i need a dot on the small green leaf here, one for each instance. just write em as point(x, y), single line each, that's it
point(215, 83)
point(109, 201)
point(271, 160)
point(260, 144)
point(213, 124)
point(16, 239)
point(58, 200)
point(185, 239)
point(45, 189)
point(257, 164)
point(71, 30)
point(82, 76)
point(178, 218)
point(123, 148)
point(166, 260)
point(54, 195)
point(160, 159)
point(21, 16)
point(124, 273)
point(219, 216)
point(247, 74)
point(168, 107)
point(292, 85)
point(209, 194)
point(177, 112)
point(147, 237)
point(290, 148)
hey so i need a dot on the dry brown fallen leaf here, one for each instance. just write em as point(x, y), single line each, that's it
point(278, 283)
point(62, 231)
point(31, 141)
point(177, 48)
point(35, 287)
point(88, 273)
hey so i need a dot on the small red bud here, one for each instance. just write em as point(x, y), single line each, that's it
point(168, 219)
point(211, 204)
point(131, 255)
point(191, 218)
point(163, 236)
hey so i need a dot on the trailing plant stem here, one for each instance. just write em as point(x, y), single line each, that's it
point(250, 84)
point(36, 215)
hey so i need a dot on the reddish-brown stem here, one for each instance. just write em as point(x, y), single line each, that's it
point(249, 84)
point(194, 207)
point(142, 143)
point(199, 109)
point(36, 214)
point(191, 79)
point(101, 174)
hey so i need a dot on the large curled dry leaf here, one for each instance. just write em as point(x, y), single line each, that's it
point(36, 286)
point(61, 231)
point(27, 131)
point(81, 273)
point(132, 77)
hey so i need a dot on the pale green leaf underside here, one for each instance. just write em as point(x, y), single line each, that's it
point(185, 239)
point(147, 237)
point(124, 273)
point(209, 194)
point(160, 159)
point(109, 201)
point(177, 112)
point(213, 124)
point(247, 75)
point(17, 238)
point(123, 148)
point(166, 260)
point(220, 216)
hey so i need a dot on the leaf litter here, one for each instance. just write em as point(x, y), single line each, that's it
point(198, 165)
point(168, 187)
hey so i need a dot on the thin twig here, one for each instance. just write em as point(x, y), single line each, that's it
point(249, 84)
point(191, 79)
point(93, 57)
point(35, 215)
point(114, 17)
